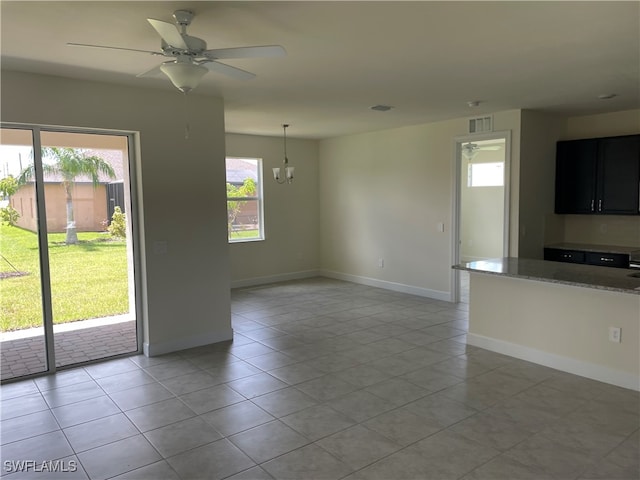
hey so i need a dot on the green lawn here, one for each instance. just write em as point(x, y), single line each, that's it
point(88, 280)
point(244, 234)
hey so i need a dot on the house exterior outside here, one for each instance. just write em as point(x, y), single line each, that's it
point(89, 207)
point(92, 205)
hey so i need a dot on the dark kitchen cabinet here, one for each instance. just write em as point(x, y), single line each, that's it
point(576, 163)
point(619, 175)
point(598, 176)
point(562, 255)
point(605, 259)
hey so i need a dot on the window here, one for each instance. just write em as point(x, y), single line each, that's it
point(244, 199)
point(486, 174)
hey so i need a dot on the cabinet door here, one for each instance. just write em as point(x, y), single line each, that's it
point(617, 260)
point(562, 255)
point(619, 175)
point(576, 162)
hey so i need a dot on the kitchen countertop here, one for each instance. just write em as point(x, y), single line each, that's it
point(579, 275)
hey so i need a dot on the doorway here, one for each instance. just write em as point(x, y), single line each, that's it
point(67, 269)
point(481, 203)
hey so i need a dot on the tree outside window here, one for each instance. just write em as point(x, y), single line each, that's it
point(244, 199)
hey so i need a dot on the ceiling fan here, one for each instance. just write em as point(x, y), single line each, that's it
point(470, 150)
point(191, 59)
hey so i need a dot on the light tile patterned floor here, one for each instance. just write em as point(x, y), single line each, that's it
point(325, 380)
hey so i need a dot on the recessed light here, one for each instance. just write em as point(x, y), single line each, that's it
point(606, 96)
point(381, 108)
point(473, 103)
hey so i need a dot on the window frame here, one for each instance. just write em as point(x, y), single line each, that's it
point(259, 199)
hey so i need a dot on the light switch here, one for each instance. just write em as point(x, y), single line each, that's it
point(440, 226)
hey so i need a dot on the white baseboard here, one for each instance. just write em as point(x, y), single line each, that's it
point(282, 277)
point(160, 348)
point(558, 362)
point(396, 287)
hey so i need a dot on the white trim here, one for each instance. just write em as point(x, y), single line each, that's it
point(558, 362)
point(396, 287)
point(281, 277)
point(160, 348)
point(455, 198)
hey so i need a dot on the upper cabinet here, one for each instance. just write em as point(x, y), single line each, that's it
point(598, 176)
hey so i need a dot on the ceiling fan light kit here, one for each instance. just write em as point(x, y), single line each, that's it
point(185, 76)
point(470, 150)
point(192, 59)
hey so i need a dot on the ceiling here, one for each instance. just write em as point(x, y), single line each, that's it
point(426, 59)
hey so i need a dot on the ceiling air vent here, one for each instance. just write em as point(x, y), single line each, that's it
point(481, 124)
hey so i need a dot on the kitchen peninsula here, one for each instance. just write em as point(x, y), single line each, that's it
point(559, 315)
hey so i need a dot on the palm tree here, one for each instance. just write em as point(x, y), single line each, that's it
point(70, 163)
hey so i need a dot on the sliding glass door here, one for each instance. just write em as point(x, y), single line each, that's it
point(22, 334)
point(69, 234)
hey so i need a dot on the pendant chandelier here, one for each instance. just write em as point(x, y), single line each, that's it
point(286, 169)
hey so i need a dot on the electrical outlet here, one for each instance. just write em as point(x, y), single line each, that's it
point(381, 263)
point(615, 334)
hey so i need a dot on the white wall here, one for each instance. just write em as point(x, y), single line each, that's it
point(540, 132)
point(602, 230)
point(560, 326)
point(603, 125)
point(291, 213)
point(186, 290)
point(382, 195)
point(481, 212)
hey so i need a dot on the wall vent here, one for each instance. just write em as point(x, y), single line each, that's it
point(481, 124)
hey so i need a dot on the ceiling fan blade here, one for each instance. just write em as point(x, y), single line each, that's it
point(246, 52)
point(113, 48)
point(152, 71)
point(169, 33)
point(227, 70)
point(490, 147)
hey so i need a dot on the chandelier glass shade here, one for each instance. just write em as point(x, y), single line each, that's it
point(286, 169)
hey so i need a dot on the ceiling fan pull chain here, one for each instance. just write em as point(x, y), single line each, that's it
point(186, 118)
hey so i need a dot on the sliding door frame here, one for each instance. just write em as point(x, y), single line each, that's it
point(43, 247)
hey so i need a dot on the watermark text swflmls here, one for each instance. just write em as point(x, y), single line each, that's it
point(48, 466)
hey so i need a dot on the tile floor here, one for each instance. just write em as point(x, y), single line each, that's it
point(324, 380)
